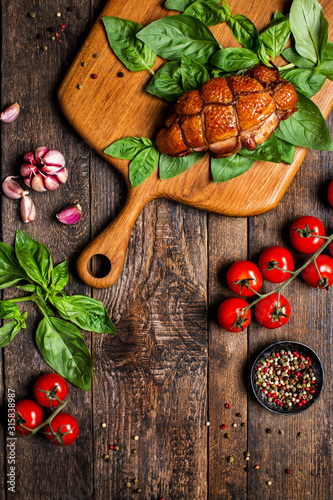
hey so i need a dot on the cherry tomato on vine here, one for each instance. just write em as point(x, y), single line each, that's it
point(49, 389)
point(304, 232)
point(330, 193)
point(242, 276)
point(325, 268)
point(28, 414)
point(231, 315)
point(63, 430)
point(271, 313)
point(274, 262)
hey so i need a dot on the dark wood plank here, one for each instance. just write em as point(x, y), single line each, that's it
point(309, 458)
point(227, 361)
point(31, 76)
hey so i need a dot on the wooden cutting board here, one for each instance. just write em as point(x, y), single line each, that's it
point(109, 108)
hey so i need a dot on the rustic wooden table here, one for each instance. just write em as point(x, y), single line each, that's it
point(171, 368)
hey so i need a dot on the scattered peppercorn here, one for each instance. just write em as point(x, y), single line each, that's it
point(116, 448)
point(208, 424)
point(135, 480)
point(106, 458)
point(95, 56)
point(288, 471)
point(234, 425)
point(32, 14)
point(136, 438)
point(227, 405)
point(247, 453)
point(139, 490)
point(223, 426)
point(111, 446)
point(58, 14)
point(227, 436)
point(300, 434)
point(84, 64)
point(238, 414)
point(243, 424)
point(128, 485)
point(134, 452)
point(257, 466)
point(44, 48)
point(269, 431)
point(103, 425)
point(120, 74)
point(79, 86)
point(269, 483)
point(52, 38)
point(94, 76)
point(281, 432)
point(230, 459)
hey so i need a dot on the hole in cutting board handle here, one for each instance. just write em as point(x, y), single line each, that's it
point(99, 266)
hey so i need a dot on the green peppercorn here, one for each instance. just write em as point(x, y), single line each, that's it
point(281, 432)
point(128, 485)
point(230, 459)
point(300, 434)
point(227, 436)
point(135, 480)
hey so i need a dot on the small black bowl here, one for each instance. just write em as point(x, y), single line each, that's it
point(301, 349)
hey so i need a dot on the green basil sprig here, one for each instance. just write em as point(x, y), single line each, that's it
point(172, 166)
point(193, 74)
point(276, 35)
point(143, 154)
point(208, 12)
point(306, 81)
point(167, 83)
point(234, 59)
point(307, 127)
point(180, 5)
point(58, 339)
point(133, 53)
point(287, 151)
point(174, 36)
point(268, 151)
point(326, 66)
point(224, 169)
point(244, 31)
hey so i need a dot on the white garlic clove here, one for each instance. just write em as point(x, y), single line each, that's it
point(62, 175)
point(70, 215)
point(51, 182)
point(40, 152)
point(12, 189)
point(54, 158)
point(37, 183)
point(10, 114)
point(50, 169)
point(27, 169)
point(27, 209)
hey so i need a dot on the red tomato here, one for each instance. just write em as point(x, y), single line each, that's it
point(325, 267)
point(28, 414)
point(330, 193)
point(274, 262)
point(272, 314)
point(49, 389)
point(242, 275)
point(63, 430)
point(303, 234)
point(231, 315)
point(330, 247)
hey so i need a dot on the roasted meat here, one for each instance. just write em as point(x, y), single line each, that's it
point(227, 114)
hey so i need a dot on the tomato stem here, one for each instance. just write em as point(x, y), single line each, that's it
point(294, 274)
point(48, 420)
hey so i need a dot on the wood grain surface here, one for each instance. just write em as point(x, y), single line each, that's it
point(110, 108)
point(171, 368)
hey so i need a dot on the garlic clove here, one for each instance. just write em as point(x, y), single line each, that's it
point(27, 169)
point(37, 183)
point(27, 181)
point(10, 114)
point(54, 158)
point(27, 209)
point(62, 175)
point(50, 169)
point(29, 158)
point(51, 182)
point(12, 189)
point(40, 152)
point(70, 215)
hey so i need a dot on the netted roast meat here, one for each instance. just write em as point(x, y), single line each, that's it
point(227, 114)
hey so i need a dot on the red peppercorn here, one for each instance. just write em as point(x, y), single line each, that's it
point(304, 401)
point(277, 354)
point(294, 353)
point(300, 405)
point(312, 391)
point(268, 394)
point(111, 446)
point(288, 471)
point(94, 76)
point(307, 358)
point(268, 364)
point(223, 426)
point(227, 405)
point(299, 374)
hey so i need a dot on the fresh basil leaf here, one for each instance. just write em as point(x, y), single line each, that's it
point(326, 67)
point(262, 54)
point(9, 310)
point(88, 313)
point(170, 166)
point(287, 151)
point(64, 349)
point(143, 165)
point(224, 169)
point(194, 75)
point(167, 82)
point(307, 127)
point(8, 332)
point(60, 276)
point(134, 54)
point(276, 35)
point(26, 288)
point(34, 257)
point(244, 31)
point(292, 56)
point(309, 28)
point(10, 270)
point(208, 12)
point(172, 37)
point(267, 151)
point(39, 299)
point(306, 81)
point(180, 5)
point(234, 59)
point(127, 148)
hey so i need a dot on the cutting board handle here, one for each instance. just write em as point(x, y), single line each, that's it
point(112, 243)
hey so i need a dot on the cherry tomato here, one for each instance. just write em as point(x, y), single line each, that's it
point(28, 414)
point(49, 389)
point(242, 276)
point(231, 315)
point(273, 258)
point(330, 193)
point(325, 267)
point(63, 430)
point(303, 234)
point(271, 313)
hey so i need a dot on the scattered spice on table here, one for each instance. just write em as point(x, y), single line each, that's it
point(257, 466)
point(234, 424)
point(95, 56)
point(243, 424)
point(238, 414)
point(94, 76)
point(111, 446)
point(300, 434)
point(227, 436)
point(230, 459)
point(44, 48)
point(103, 425)
point(120, 74)
point(207, 424)
point(288, 471)
point(134, 452)
point(135, 480)
point(136, 438)
point(223, 426)
point(79, 86)
point(227, 405)
point(58, 14)
point(32, 14)
point(106, 458)
point(269, 483)
point(269, 431)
